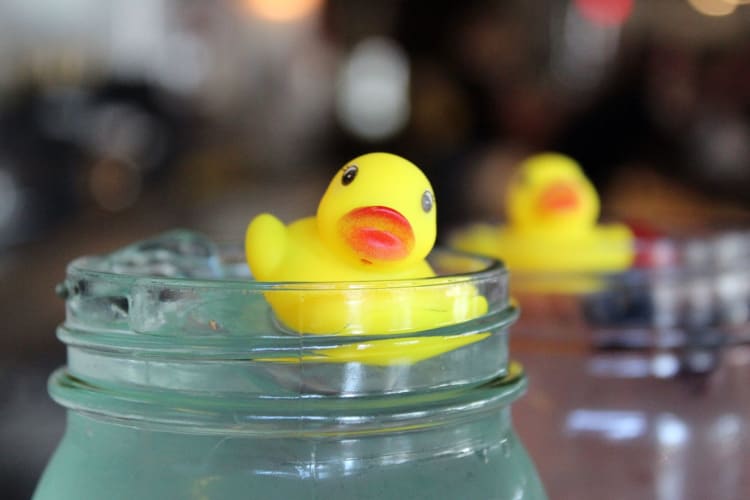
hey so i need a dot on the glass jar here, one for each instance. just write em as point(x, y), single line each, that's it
point(182, 383)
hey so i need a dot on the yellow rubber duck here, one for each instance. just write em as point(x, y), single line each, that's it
point(375, 222)
point(552, 212)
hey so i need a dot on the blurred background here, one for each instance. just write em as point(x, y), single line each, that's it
point(122, 118)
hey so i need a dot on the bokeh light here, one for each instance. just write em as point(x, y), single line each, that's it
point(605, 12)
point(283, 11)
point(584, 50)
point(372, 100)
point(715, 8)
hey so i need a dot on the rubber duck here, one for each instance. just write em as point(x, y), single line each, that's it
point(375, 223)
point(552, 211)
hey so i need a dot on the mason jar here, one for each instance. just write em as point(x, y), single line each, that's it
point(182, 383)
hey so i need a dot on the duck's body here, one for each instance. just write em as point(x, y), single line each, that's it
point(366, 233)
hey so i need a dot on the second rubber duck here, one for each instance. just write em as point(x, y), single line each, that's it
point(375, 222)
point(552, 211)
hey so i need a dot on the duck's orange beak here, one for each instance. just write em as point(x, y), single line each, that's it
point(560, 196)
point(377, 233)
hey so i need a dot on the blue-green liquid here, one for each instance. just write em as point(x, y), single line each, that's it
point(102, 460)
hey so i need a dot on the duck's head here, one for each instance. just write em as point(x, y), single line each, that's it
point(550, 193)
point(379, 210)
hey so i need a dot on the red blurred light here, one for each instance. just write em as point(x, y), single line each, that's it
point(605, 12)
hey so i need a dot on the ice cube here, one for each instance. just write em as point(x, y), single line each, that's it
point(178, 253)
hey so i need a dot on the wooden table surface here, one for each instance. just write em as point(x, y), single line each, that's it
point(603, 424)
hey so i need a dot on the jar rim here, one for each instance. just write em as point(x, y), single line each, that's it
point(485, 267)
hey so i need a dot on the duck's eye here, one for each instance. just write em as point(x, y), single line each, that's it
point(428, 201)
point(349, 174)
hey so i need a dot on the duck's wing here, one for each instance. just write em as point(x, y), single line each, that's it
point(265, 245)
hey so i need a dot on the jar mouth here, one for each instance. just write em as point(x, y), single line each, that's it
point(223, 265)
point(181, 313)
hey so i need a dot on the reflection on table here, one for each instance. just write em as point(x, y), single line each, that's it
point(634, 424)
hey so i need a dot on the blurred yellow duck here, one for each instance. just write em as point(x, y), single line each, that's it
point(552, 212)
point(375, 222)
